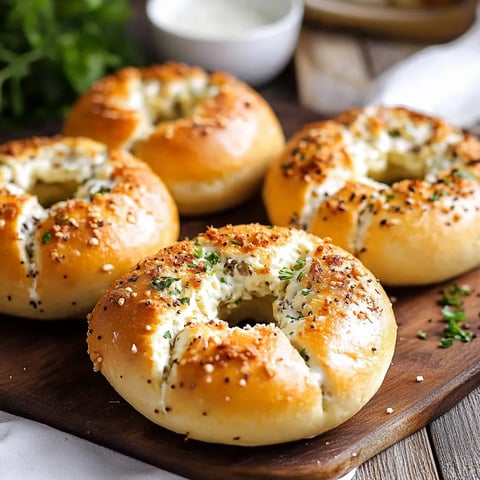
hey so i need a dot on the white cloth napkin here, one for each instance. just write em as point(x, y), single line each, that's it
point(32, 451)
point(442, 80)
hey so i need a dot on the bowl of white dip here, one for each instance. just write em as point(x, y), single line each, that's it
point(252, 39)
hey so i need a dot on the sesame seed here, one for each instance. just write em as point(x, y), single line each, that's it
point(134, 348)
point(208, 379)
point(148, 328)
point(419, 378)
point(2, 223)
point(208, 367)
point(131, 219)
point(93, 241)
point(227, 398)
point(108, 267)
point(242, 382)
point(99, 359)
point(389, 410)
point(121, 301)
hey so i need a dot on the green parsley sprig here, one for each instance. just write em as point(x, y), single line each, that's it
point(51, 51)
point(454, 315)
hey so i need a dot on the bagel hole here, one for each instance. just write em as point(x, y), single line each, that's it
point(248, 312)
point(395, 166)
point(50, 193)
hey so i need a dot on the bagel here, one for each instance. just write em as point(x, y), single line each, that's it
point(74, 216)
point(398, 189)
point(209, 137)
point(170, 336)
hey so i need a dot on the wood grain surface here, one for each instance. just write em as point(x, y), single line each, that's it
point(45, 375)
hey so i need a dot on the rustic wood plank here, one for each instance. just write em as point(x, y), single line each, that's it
point(456, 440)
point(332, 74)
point(410, 459)
point(383, 54)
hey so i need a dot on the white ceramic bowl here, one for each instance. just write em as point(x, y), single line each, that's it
point(251, 39)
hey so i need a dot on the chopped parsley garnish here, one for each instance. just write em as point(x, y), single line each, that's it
point(422, 335)
point(175, 291)
point(285, 274)
point(102, 190)
point(434, 196)
point(454, 316)
point(305, 292)
point(453, 295)
point(185, 300)
point(223, 280)
point(46, 237)
point(390, 196)
point(304, 354)
point(212, 258)
point(299, 264)
point(161, 283)
point(167, 335)
point(236, 242)
point(198, 252)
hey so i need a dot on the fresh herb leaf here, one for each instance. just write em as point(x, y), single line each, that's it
point(198, 252)
point(285, 274)
point(304, 354)
point(422, 335)
point(299, 264)
point(161, 283)
point(212, 258)
point(51, 51)
point(452, 295)
point(167, 335)
point(46, 237)
point(185, 300)
point(236, 242)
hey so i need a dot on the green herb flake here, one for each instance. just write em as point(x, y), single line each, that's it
point(422, 335)
point(167, 335)
point(390, 196)
point(453, 295)
point(445, 343)
point(236, 242)
point(454, 316)
point(198, 252)
point(222, 280)
point(304, 354)
point(300, 276)
point(212, 258)
point(299, 264)
point(185, 300)
point(285, 274)
point(102, 190)
point(161, 283)
point(305, 292)
point(46, 237)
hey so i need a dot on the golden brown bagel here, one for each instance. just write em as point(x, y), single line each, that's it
point(398, 189)
point(73, 217)
point(168, 336)
point(209, 137)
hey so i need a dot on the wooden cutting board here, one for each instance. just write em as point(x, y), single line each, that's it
point(45, 375)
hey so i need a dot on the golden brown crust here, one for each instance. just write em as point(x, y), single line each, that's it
point(166, 336)
point(397, 188)
point(62, 256)
point(211, 146)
